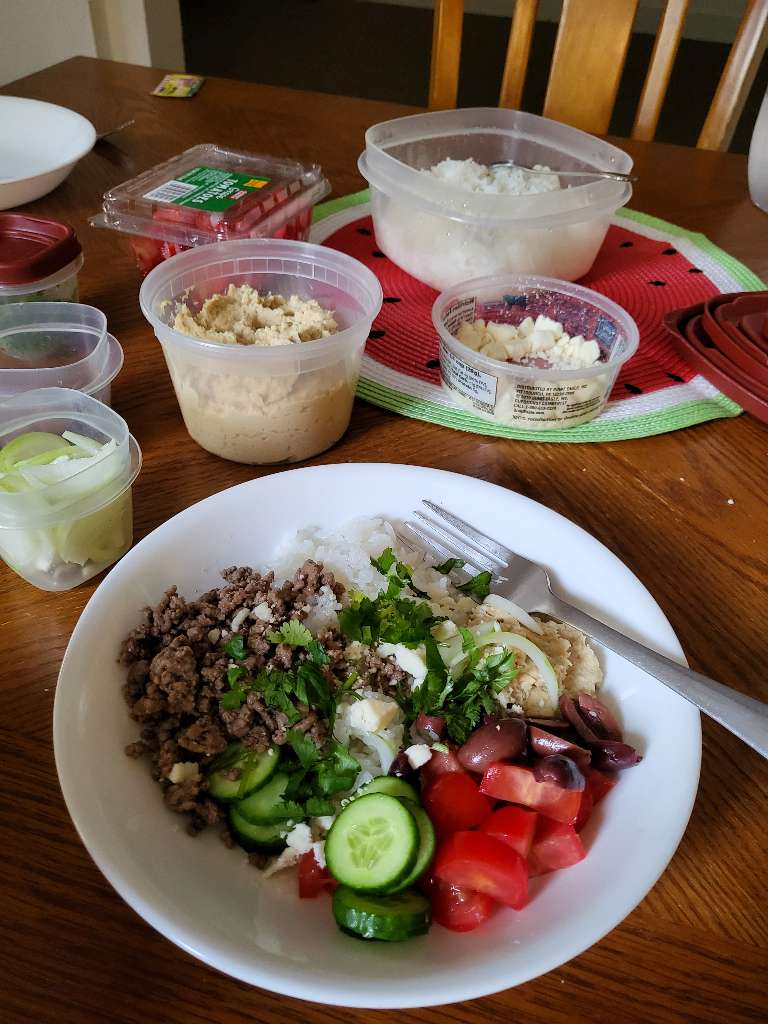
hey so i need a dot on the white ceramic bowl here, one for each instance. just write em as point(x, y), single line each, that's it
point(40, 143)
point(208, 900)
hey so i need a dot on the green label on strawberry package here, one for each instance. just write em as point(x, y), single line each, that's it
point(207, 188)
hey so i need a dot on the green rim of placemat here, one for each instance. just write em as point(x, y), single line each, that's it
point(677, 417)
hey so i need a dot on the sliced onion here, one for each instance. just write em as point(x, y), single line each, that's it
point(537, 656)
point(522, 616)
point(544, 744)
point(495, 741)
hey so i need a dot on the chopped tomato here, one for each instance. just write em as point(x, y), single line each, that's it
point(461, 910)
point(599, 783)
point(585, 809)
point(514, 826)
point(482, 863)
point(439, 764)
point(454, 802)
point(312, 878)
point(518, 785)
point(147, 251)
point(555, 845)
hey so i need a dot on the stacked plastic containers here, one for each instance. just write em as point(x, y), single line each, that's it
point(67, 463)
point(39, 260)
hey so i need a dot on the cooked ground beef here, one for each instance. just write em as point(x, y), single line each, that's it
point(177, 673)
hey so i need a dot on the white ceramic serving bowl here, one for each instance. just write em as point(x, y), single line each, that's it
point(40, 143)
point(209, 901)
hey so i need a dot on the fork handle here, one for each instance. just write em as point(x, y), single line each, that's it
point(744, 716)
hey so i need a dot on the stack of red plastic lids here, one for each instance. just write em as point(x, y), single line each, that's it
point(725, 339)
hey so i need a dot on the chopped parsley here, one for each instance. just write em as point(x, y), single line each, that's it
point(399, 575)
point(294, 633)
point(449, 565)
point(235, 648)
point(479, 586)
point(316, 775)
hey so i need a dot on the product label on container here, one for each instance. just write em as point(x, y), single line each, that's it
point(207, 188)
point(540, 402)
point(478, 387)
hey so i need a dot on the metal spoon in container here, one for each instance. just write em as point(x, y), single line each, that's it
point(612, 175)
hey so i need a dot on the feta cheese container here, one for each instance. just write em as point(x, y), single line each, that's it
point(57, 344)
point(39, 260)
point(443, 234)
point(264, 404)
point(211, 194)
point(533, 397)
point(62, 519)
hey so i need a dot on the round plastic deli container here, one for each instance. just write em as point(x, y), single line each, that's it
point(57, 344)
point(67, 463)
point(257, 404)
point(39, 260)
point(531, 397)
point(444, 235)
point(211, 194)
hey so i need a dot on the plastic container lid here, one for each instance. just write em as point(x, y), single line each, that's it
point(210, 194)
point(55, 344)
point(32, 248)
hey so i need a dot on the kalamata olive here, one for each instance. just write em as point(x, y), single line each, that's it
point(431, 727)
point(598, 717)
point(494, 741)
point(571, 712)
point(401, 766)
point(544, 743)
point(561, 770)
point(612, 756)
point(549, 723)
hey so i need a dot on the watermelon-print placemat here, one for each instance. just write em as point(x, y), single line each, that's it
point(646, 265)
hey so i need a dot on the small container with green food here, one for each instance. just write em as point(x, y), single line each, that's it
point(67, 463)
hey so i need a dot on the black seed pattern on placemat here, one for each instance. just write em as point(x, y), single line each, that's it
point(626, 245)
point(392, 298)
point(695, 270)
point(658, 284)
point(375, 335)
point(675, 377)
point(669, 252)
point(432, 364)
point(634, 389)
point(364, 231)
point(378, 254)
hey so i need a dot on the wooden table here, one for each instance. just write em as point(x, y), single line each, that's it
point(685, 511)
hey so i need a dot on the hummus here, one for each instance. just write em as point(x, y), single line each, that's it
point(244, 316)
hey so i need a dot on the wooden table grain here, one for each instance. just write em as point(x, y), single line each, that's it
point(686, 512)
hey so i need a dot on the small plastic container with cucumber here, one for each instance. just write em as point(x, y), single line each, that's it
point(67, 463)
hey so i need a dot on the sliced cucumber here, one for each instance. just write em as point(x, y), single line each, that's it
point(426, 847)
point(373, 844)
point(387, 918)
point(390, 785)
point(267, 807)
point(256, 837)
point(255, 770)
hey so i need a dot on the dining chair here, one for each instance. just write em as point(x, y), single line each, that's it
point(590, 51)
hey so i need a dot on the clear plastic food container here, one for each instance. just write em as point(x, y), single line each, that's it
point(211, 194)
point(256, 404)
point(64, 517)
point(531, 397)
point(39, 260)
point(443, 235)
point(57, 344)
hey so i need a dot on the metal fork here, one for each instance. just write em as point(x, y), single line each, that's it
point(527, 584)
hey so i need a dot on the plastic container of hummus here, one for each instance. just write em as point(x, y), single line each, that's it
point(67, 463)
point(39, 259)
point(263, 403)
point(532, 397)
point(443, 235)
point(57, 344)
point(211, 194)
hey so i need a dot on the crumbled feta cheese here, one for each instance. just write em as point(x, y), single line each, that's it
point(319, 851)
point(299, 838)
point(287, 859)
point(418, 754)
point(411, 660)
point(372, 714)
point(321, 824)
point(543, 343)
point(183, 771)
point(262, 611)
point(445, 630)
